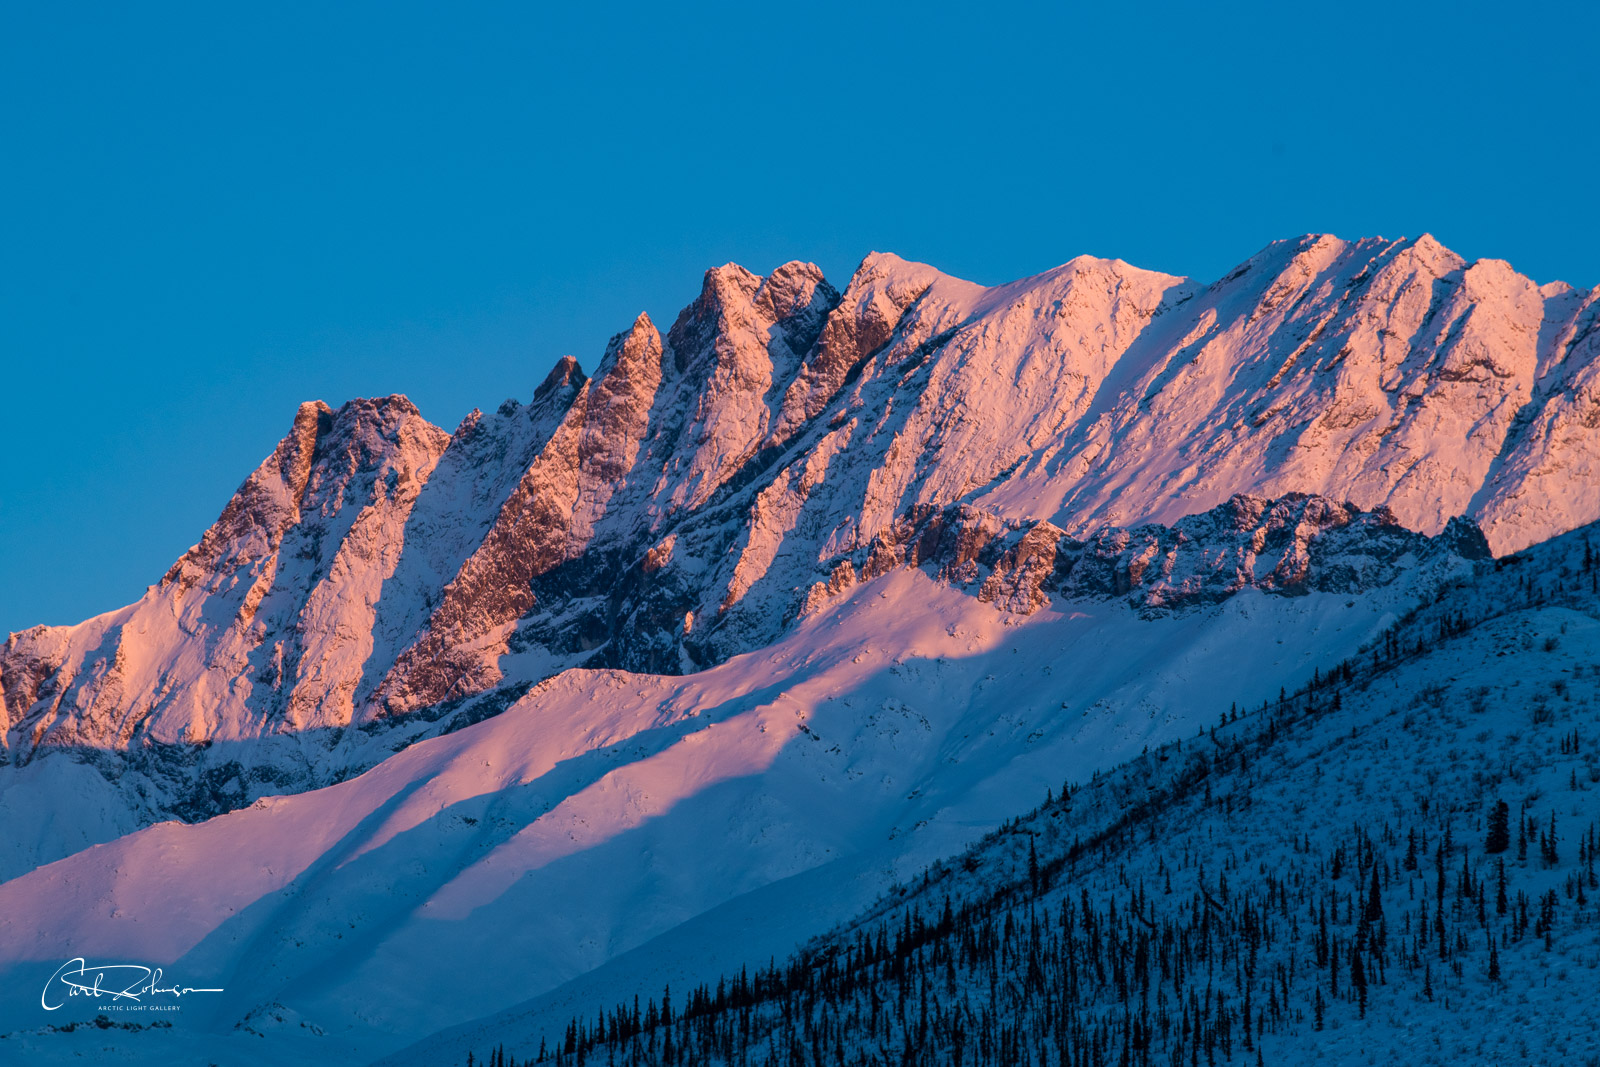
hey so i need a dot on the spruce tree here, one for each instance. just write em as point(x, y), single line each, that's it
point(1358, 978)
point(1499, 838)
point(1374, 902)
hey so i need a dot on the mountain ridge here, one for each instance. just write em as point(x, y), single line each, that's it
point(707, 487)
point(773, 610)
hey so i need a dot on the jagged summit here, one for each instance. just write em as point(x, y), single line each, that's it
point(565, 374)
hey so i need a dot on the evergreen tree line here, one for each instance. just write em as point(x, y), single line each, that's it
point(1197, 968)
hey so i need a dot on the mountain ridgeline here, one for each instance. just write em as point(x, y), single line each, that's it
point(438, 743)
point(1096, 427)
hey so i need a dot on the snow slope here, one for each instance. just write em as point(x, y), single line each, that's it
point(1220, 860)
point(896, 724)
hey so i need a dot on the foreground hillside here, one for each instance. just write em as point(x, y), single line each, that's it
point(735, 811)
point(1311, 879)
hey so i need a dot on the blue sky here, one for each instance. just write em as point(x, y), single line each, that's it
point(211, 213)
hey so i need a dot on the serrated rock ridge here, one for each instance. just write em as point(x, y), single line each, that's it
point(1097, 430)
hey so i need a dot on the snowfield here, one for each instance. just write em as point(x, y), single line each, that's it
point(604, 809)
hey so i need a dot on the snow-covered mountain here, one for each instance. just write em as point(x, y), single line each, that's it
point(707, 487)
point(611, 832)
point(774, 609)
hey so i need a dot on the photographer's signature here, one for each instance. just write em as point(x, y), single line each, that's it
point(119, 981)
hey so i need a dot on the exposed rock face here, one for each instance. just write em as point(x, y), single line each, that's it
point(548, 519)
point(883, 288)
point(1020, 578)
point(1295, 545)
point(1097, 430)
point(1291, 546)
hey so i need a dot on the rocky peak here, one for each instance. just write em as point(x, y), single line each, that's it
point(268, 503)
point(364, 434)
point(634, 353)
point(781, 313)
point(734, 350)
point(258, 627)
point(883, 287)
point(797, 289)
point(565, 377)
point(1426, 250)
point(294, 453)
point(721, 311)
point(620, 397)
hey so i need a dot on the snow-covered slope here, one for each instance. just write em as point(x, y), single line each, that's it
point(1215, 893)
point(901, 719)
